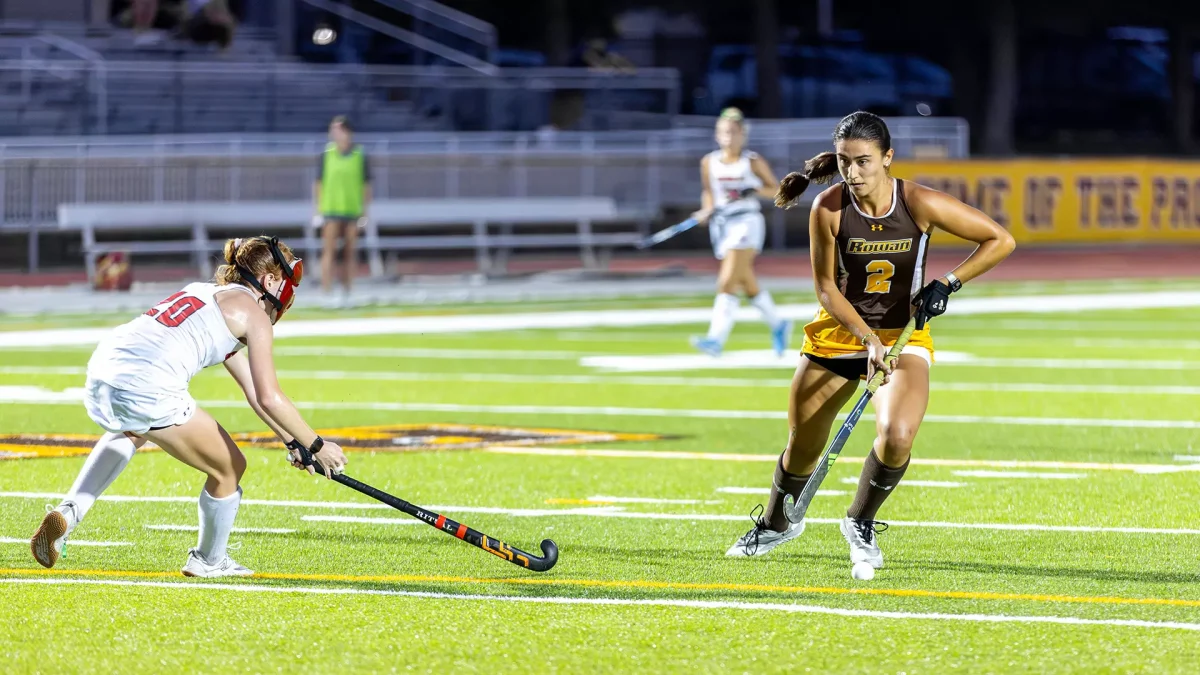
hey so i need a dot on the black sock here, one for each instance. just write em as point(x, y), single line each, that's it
point(875, 484)
point(784, 484)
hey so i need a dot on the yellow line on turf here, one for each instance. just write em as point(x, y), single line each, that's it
point(644, 583)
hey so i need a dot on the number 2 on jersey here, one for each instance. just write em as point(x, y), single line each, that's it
point(880, 273)
point(178, 312)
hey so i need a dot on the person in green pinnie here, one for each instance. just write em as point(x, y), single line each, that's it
point(341, 200)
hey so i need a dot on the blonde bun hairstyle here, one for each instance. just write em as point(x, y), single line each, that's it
point(253, 255)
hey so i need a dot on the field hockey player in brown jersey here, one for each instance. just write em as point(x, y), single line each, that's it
point(869, 244)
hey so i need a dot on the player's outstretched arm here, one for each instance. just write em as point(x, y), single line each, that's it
point(238, 366)
point(247, 321)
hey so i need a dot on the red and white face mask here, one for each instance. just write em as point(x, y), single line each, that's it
point(293, 274)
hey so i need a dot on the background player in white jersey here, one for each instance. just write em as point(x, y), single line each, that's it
point(738, 230)
point(137, 391)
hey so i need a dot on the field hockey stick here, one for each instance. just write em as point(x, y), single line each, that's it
point(679, 228)
point(795, 509)
point(473, 537)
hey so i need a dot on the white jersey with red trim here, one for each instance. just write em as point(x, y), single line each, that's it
point(162, 349)
point(727, 181)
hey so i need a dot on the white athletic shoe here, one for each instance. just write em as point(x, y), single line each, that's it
point(761, 539)
point(197, 566)
point(707, 345)
point(860, 534)
point(51, 536)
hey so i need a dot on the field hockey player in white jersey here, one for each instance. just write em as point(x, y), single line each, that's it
point(137, 391)
point(733, 179)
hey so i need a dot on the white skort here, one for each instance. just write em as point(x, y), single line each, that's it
point(121, 410)
point(746, 230)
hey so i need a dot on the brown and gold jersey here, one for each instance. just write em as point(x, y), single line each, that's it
point(881, 260)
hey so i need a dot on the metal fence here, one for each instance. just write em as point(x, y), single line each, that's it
point(654, 169)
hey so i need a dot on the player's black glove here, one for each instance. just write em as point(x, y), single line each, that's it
point(302, 454)
point(931, 302)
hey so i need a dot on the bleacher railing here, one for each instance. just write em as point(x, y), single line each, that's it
point(177, 97)
point(644, 168)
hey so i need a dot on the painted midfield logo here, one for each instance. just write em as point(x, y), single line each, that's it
point(384, 438)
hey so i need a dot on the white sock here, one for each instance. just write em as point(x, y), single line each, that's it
point(106, 461)
point(766, 306)
point(216, 520)
point(724, 315)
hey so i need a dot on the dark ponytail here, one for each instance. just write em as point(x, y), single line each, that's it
point(857, 126)
point(820, 169)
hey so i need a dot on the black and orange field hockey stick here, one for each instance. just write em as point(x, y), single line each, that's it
point(473, 537)
point(795, 509)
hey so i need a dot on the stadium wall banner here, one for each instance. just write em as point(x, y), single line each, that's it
point(1073, 201)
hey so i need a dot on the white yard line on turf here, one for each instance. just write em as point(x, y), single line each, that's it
point(1030, 304)
point(609, 512)
point(916, 461)
point(1017, 474)
point(608, 336)
point(1187, 458)
point(1041, 388)
point(491, 510)
point(767, 490)
point(648, 500)
point(766, 359)
point(360, 519)
point(690, 605)
point(30, 394)
point(192, 500)
point(236, 530)
point(621, 513)
point(1083, 326)
point(72, 542)
point(407, 353)
point(918, 483)
point(957, 341)
point(653, 380)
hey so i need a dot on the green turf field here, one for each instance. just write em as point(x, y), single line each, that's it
point(1047, 523)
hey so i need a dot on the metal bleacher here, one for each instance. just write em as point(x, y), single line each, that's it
point(54, 77)
point(78, 80)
